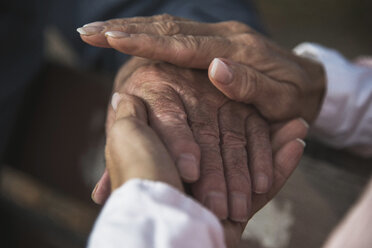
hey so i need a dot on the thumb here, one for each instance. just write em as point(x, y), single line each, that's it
point(242, 83)
point(133, 150)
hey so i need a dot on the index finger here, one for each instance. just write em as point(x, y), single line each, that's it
point(181, 50)
point(97, 38)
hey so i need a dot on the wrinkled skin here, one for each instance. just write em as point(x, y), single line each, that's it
point(146, 157)
point(230, 139)
point(192, 117)
point(280, 84)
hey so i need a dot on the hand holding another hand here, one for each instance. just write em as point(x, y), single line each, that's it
point(189, 114)
point(223, 147)
point(146, 157)
point(220, 146)
point(250, 68)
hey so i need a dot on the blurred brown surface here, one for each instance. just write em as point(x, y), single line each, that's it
point(55, 219)
point(62, 119)
point(46, 191)
point(313, 201)
point(328, 181)
point(341, 24)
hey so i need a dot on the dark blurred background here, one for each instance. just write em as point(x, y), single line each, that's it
point(56, 153)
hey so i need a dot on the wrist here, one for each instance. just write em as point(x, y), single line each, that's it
point(118, 178)
point(315, 90)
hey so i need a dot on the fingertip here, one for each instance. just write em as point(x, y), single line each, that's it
point(188, 167)
point(285, 132)
point(102, 189)
point(305, 123)
point(90, 30)
point(219, 72)
point(287, 157)
point(302, 142)
point(116, 98)
point(239, 206)
point(261, 183)
point(93, 193)
point(217, 203)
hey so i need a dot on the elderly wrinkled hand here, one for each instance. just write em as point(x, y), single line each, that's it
point(146, 157)
point(220, 145)
point(250, 68)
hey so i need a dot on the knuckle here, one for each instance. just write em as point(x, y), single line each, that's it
point(239, 176)
point(214, 170)
point(151, 72)
point(165, 17)
point(233, 139)
point(237, 27)
point(250, 41)
point(185, 44)
point(130, 28)
point(171, 116)
point(234, 110)
point(205, 135)
point(168, 28)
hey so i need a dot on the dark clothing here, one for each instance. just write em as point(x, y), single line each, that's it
point(22, 23)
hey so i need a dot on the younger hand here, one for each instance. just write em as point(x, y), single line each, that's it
point(133, 150)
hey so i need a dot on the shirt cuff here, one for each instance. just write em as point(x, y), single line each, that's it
point(330, 125)
point(143, 213)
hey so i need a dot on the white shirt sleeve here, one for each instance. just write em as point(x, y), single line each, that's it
point(345, 119)
point(144, 213)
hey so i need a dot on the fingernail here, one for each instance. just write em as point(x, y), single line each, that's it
point(304, 122)
point(116, 97)
point(221, 72)
point(116, 34)
point(94, 193)
point(261, 183)
point(97, 24)
point(216, 202)
point(188, 167)
point(238, 207)
point(302, 142)
point(90, 30)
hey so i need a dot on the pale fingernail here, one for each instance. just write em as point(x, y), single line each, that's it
point(116, 97)
point(94, 193)
point(301, 142)
point(116, 34)
point(261, 183)
point(221, 72)
point(216, 202)
point(238, 207)
point(304, 122)
point(97, 24)
point(90, 30)
point(188, 167)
